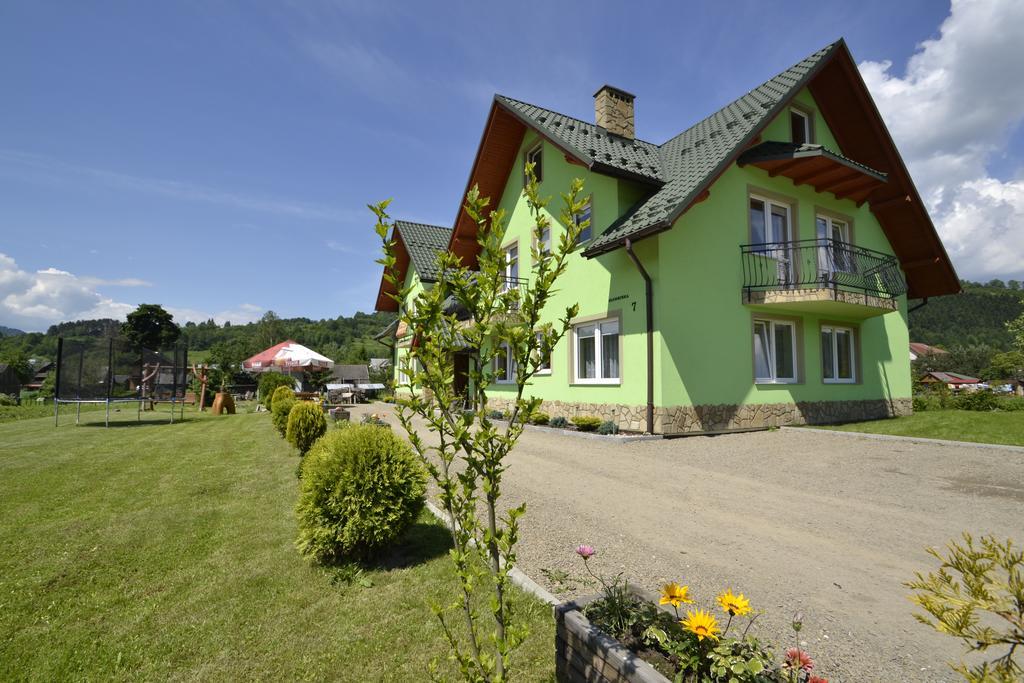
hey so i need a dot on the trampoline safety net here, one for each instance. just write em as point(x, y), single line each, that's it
point(112, 370)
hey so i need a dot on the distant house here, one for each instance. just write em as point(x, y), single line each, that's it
point(953, 380)
point(9, 382)
point(378, 364)
point(352, 375)
point(918, 350)
point(39, 376)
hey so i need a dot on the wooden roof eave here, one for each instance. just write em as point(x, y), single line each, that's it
point(385, 302)
point(899, 205)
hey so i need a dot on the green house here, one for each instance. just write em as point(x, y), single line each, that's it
point(752, 270)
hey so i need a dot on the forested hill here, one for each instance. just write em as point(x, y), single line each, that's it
point(975, 317)
point(343, 339)
point(9, 331)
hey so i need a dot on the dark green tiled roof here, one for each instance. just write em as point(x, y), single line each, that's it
point(590, 143)
point(691, 160)
point(777, 151)
point(423, 243)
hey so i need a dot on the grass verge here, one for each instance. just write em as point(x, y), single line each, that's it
point(161, 551)
point(1006, 428)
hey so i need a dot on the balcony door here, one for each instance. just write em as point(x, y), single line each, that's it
point(771, 224)
point(834, 253)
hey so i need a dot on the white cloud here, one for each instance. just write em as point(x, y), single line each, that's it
point(34, 301)
point(957, 105)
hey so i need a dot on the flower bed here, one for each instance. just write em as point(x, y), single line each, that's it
point(627, 634)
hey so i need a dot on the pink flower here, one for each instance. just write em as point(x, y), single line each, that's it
point(585, 551)
point(817, 679)
point(798, 659)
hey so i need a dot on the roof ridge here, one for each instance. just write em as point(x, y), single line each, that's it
point(567, 116)
point(751, 91)
point(424, 225)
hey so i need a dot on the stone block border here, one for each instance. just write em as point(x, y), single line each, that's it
point(724, 417)
point(585, 654)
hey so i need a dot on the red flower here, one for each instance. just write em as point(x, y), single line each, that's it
point(817, 679)
point(798, 659)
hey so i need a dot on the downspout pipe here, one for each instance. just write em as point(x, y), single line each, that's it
point(648, 304)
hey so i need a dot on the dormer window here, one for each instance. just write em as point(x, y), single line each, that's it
point(800, 125)
point(535, 157)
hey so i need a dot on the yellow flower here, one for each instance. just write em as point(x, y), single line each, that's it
point(674, 594)
point(702, 624)
point(735, 605)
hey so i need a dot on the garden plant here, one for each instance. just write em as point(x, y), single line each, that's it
point(362, 488)
point(282, 401)
point(466, 456)
point(306, 424)
point(977, 595)
point(690, 644)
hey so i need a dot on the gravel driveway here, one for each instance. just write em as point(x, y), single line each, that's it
point(831, 525)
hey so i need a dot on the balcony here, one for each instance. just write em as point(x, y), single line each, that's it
point(821, 276)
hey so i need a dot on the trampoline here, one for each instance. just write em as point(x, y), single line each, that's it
point(112, 372)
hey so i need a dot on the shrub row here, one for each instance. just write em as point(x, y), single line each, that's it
point(982, 401)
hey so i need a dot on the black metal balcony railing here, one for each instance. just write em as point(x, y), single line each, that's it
point(510, 283)
point(821, 264)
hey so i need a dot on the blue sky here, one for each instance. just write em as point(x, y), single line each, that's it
point(217, 157)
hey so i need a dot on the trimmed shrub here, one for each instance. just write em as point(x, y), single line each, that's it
point(1013, 403)
point(921, 404)
point(6, 400)
point(608, 427)
point(540, 418)
point(586, 423)
point(496, 415)
point(559, 422)
point(279, 413)
point(976, 400)
point(306, 424)
point(362, 488)
point(269, 384)
point(279, 392)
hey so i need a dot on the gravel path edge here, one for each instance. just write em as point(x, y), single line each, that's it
point(517, 576)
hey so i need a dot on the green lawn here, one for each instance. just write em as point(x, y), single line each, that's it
point(166, 552)
point(958, 425)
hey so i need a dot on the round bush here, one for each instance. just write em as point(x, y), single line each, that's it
point(279, 392)
point(269, 383)
point(559, 422)
point(362, 488)
point(306, 424)
point(279, 413)
point(540, 418)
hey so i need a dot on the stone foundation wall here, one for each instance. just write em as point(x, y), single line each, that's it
point(713, 418)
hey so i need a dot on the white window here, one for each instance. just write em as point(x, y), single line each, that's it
point(771, 225)
point(587, 214)
point(544, 245)
point(596, 350)
point(504, 366)
point(837, 355)
point(774, 352)
point(511, 267)
point(800, 126)
point(402, 372)
point(535, 156)
point(544, 366)
point(834, 253)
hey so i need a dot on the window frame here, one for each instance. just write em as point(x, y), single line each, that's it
point(543, 372)
point(537, 150)
point(580, 240)
point(808, 119)
point(597, 323)
point(510, 366)
point(832, 328)
point(506, 250)
point(794, 327)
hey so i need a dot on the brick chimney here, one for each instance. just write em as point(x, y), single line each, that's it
point(613, 111)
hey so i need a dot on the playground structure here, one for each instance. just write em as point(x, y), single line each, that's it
point(111, 372)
